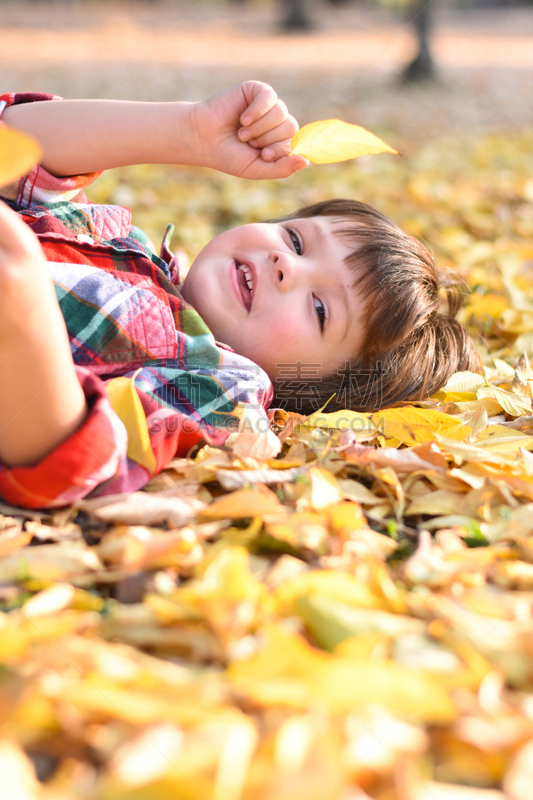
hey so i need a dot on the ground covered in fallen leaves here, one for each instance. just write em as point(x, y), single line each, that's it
point(349, 620)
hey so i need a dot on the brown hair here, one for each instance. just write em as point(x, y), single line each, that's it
point(411, 347)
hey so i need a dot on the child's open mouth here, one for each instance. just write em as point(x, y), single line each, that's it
point(245, 283)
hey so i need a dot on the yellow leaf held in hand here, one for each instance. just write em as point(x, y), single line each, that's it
point(127, 404)
point(18, 154)
point(331, 140)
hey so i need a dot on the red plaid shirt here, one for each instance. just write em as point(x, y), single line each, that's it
point(125, 317)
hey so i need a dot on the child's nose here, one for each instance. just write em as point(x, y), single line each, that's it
point(285, 269)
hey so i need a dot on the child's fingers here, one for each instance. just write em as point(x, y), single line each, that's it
point(273, 152)
point(282, 134)
point(284, 167)
point(288, 165)
point(272, 120)
point(261, 98)
point(16, 239)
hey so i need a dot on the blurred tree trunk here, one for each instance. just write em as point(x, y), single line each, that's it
point(295, 15)
point(423, 65)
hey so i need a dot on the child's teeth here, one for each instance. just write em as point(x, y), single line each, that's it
point(247, 276)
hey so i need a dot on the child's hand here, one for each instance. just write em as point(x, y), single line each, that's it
point(246, 131)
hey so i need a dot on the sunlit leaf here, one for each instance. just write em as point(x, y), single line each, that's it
point(50, 601)
point(331, 140)
point(356, 422)
point(288, 672)
point(511, 403)
point(254, 439)
point(243, 503)
point(416, 425)
point(464, 382)
point(19, 152)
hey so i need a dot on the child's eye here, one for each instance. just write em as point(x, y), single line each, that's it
point(321, 312)
point(295, 239)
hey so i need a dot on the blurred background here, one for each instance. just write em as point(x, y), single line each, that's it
point(326, 58)
point(433, 79)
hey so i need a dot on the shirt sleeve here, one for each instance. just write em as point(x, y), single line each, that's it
point(94, 459)
point(88, 458)
point(39, 186)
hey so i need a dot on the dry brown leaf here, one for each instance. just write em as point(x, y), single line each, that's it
point(138, 547)
point(403, 461)
point(254, 439)
point(233, 479)
point(143, 508)
point(50, 601)
point(324, 489)
point(49, 562)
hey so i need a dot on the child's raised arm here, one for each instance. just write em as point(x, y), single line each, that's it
point(245, 131)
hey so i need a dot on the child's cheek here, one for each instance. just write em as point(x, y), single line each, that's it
point(287, 335)
point(292, 330)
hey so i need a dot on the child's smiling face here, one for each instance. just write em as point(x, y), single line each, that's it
point(279, 293)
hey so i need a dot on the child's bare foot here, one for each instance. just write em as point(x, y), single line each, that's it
point(41, 400)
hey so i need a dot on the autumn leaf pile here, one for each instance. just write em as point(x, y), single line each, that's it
point(348, 620)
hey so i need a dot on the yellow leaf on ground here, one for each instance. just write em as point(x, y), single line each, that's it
point(288, 672)
point(227, 595)
point(439, 502)
point(464, 382)
point(489, 305)
point(324, 488)
point(409, 425)
point(491, 406)
point(455, 397)
point(330, 584)
point(355, 421)
point(301, 529)
point(331, 621)
point(504, 440)
point(511, 403)
point(331, 140)
point(19, 152)
point(346, 517)
point(140, 547)
point(50, 601)
point(243, 503)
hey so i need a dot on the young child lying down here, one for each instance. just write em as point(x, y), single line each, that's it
point(335, 295)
